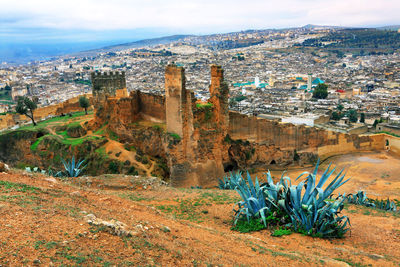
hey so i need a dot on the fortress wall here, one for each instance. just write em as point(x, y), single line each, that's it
point(152, 107)
point(393, 143)
point(303, 139)
point(71, 105)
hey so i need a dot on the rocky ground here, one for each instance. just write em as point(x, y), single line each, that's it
point(118, 220)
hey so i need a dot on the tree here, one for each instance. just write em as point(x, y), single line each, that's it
point(352, 114)
point(7, 88)
point(375, 123)
point(25, 106)
point(362, 118)
point(321, 91)
point(84, 103)
point(340, 107)
point(335, 116)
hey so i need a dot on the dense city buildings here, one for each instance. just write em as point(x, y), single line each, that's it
point(270, 74)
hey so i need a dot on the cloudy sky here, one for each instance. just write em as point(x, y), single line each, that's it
point(47, 19)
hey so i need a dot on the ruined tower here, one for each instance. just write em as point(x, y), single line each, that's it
point(197, 159)
point(108, 84)
point(175, 94)
point(219, 94)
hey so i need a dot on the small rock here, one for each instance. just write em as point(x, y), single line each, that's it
point(376, 256)
point(51, 179)
point(166, 229)
point(76, 194)
point(2, 167)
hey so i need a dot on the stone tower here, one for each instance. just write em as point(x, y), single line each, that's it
point(175, 94)
point(107, 84)
point(197, 158)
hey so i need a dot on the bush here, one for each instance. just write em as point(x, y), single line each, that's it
point(113, 167)
point(304, 208)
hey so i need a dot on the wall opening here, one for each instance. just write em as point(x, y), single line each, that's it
point(273, 162)
point(232, 166)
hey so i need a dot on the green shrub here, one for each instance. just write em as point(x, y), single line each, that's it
point(113, 167)
point(281, 232)
point(304, 208)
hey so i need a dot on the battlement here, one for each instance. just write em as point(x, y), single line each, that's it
point(106, 84)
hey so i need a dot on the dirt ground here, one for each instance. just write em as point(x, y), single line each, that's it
point(44, 223)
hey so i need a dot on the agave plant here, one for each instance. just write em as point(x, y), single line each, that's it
point(360, 198)
point(72, 169)
point(310, 212)
point(275, 193)
point(253, 204)
point(385, 205)
point(231, 182)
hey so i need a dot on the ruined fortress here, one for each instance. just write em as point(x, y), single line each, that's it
point(201, 141)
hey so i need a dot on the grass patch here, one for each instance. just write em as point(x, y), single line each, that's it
point(37, 142)
point(18, 187)
point(135, 197)
point(187, 209)
point(204, 105)
point(244, 226)
point(281, 232)
point(175, 136)
point(349, 262)
point(219, 198)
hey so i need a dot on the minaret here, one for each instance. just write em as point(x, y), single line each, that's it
point(309, 82)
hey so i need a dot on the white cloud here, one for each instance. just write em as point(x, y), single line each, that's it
point(194, 15)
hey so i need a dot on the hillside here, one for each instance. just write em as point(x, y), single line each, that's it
point(136, 44)
point(51, 140)
point(47, 221)
point(356, 39)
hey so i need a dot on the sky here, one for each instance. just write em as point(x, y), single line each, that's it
point(50, 27)
point(45, 18)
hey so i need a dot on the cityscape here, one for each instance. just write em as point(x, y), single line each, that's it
point(200, 133)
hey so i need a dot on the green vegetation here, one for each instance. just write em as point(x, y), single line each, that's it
point(247, 226)
point(304, 208)
point(204, 105)
point(231, 182)
point(17, 187)
point(37, 142)
point(362, 118)
point(175, 136)
point(321, 91)
point(25, 106)
point(281, 232)
point(353, 115)
point(84, 103)
point(207, 109)
point(72, 168)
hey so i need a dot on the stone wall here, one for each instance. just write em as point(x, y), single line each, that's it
point(283, 143)
point(203, 140)
point(152, 107)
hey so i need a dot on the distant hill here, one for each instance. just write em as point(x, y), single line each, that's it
point(136, 44)
point(372, 39)
point(390, 28)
